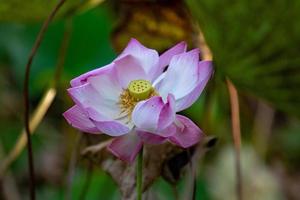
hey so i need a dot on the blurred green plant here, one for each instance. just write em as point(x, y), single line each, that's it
point(89, 47)
point(255, 44)
point(37, 10)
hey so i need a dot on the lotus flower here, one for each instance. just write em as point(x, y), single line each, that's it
point(136, 97)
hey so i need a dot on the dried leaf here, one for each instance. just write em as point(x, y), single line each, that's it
point(158, 161)
point(157, 24)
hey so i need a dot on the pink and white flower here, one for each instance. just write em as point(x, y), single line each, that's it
point(136, 97)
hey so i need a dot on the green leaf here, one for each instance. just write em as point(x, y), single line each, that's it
point(255, 44)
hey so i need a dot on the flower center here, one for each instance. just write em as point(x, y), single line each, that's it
point(140, 89)
point(137, 90)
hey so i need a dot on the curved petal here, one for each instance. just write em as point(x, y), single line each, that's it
point(126, 147)
point(86, 96)
point(112, 128)
point(115, 127)
point(128, 68)
point(82, 79)
point(107, 85)
point(157, 82)
point(148, 58)
point(77, 118)
point(187, 133)
point(151, 138)
point(204, 74)
point(167, 113)
point(181, 76)
point(148, 116)
point(166, 57)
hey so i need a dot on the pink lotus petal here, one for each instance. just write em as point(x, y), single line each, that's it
point(128, 68)
point(148, 58)
point(158, 81)
point(166, 57)
point(87, 96)
point(145, 115)
point(167, 113)
point(148, 116)
point(187, 134)
point(151, 138)
point(126, 147)
point(181, 76)
point(169, 131)
point(82, 79)
point(204, 74)
point(107, 85)
point(77, 118)
point(104, 113)
point(112, 127)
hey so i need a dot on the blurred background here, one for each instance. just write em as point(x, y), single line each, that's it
point(255, 44)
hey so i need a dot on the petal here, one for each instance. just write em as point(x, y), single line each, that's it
point(110, 127)
point(167, 113)
point(77, 118)
point(148, 58)
point(126, 147)
point(166, 57)
point(128, 68)
point(86, 96)
point(204, 74)
point(187, 134)
point(104, 113)
point(80, 80)
point(181, 76)
point(107, 85)
point(157, 82)
point(151, 138)
point(148, 116)
point(145, 115)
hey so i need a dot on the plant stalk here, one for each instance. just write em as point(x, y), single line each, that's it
point(26, 96)
point(236, 134)
point(139, 175)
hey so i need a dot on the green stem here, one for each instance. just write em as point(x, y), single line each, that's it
point(139, 175)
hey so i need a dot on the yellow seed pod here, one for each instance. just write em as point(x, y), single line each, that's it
point(140, 89)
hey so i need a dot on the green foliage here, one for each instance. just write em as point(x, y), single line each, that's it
point(255, 44)
point(89, 47)
point(101, 186)
point(288, 138)
point(24, 11)
point(37, 10)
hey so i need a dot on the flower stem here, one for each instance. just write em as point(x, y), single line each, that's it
point(236, 134)
point(139, 175)
point(33, 52)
